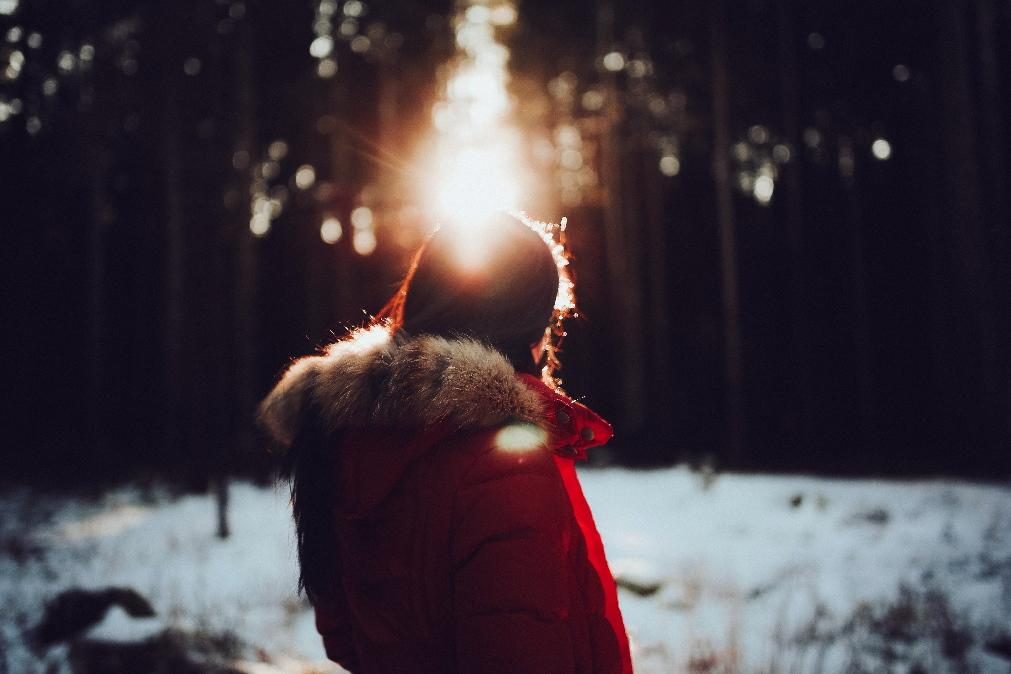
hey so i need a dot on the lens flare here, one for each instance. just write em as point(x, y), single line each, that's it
point(520, 438)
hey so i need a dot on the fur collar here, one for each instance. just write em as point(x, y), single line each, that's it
point(375, 378)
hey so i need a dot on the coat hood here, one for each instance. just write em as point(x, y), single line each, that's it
point(400, 395)
point(375, 379)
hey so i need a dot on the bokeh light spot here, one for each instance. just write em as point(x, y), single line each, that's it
point(321, 46)
point(670, 165)
point(881, 149)
point(520, 438)
point(326, 68)
point(614, 61)
point(764, 188)
point(331, 231)
point(305, 177)
point(364, 241)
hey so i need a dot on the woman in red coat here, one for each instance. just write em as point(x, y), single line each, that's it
point(440, 522)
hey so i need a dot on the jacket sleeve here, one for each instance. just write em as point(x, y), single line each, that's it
point(510, 544)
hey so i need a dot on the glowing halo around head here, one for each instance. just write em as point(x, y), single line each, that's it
point(554, 238)
point(565, 301)
point(473, 170)
point(475, 245)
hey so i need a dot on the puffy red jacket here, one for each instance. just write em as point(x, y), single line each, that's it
point(465, 541)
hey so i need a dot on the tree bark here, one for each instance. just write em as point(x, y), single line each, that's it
point(993, 125)
point(623, 247)
point(246, 268)
point(858, 284)
point(789, 83)
point(174, 257)
point(96, 403)
point(736, 423)
point(970, 360)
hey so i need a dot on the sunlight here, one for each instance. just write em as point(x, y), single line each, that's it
point(365, 340)
point(474, 182)
point(474, 166)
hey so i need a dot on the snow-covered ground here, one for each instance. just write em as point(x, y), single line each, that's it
point(727, 573)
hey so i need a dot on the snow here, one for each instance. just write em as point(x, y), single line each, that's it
point(746, 564)
point(735, 572)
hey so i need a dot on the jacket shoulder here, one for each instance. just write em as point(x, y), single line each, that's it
point(506, 449)
point(508, 478)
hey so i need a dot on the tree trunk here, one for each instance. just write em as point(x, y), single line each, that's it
point(970, 359)
point(174, 258)
point(623, 247)
point(995, 164)
point(803, 397)
point(246, 314)
point(96, 403)
point(339, 271)
point(736, 424)
point(659, 310)
point(858, 284)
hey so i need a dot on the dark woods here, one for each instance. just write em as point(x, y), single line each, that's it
point(851, 316)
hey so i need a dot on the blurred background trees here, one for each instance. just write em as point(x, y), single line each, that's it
point(789, 221)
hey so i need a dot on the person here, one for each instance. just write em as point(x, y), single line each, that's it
point(439, 520)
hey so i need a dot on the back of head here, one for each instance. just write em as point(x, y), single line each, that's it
point(498, 286)
point(500, 289)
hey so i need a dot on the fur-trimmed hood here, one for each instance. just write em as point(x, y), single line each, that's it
point(400, 396)
point(373, 378)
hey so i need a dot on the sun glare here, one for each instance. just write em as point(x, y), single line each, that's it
point(474, 182)
point(475, 169)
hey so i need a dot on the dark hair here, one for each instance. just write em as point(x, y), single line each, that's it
point(504, 298)
point(306, 466)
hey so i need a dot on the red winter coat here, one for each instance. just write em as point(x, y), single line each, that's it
point(465, 542)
